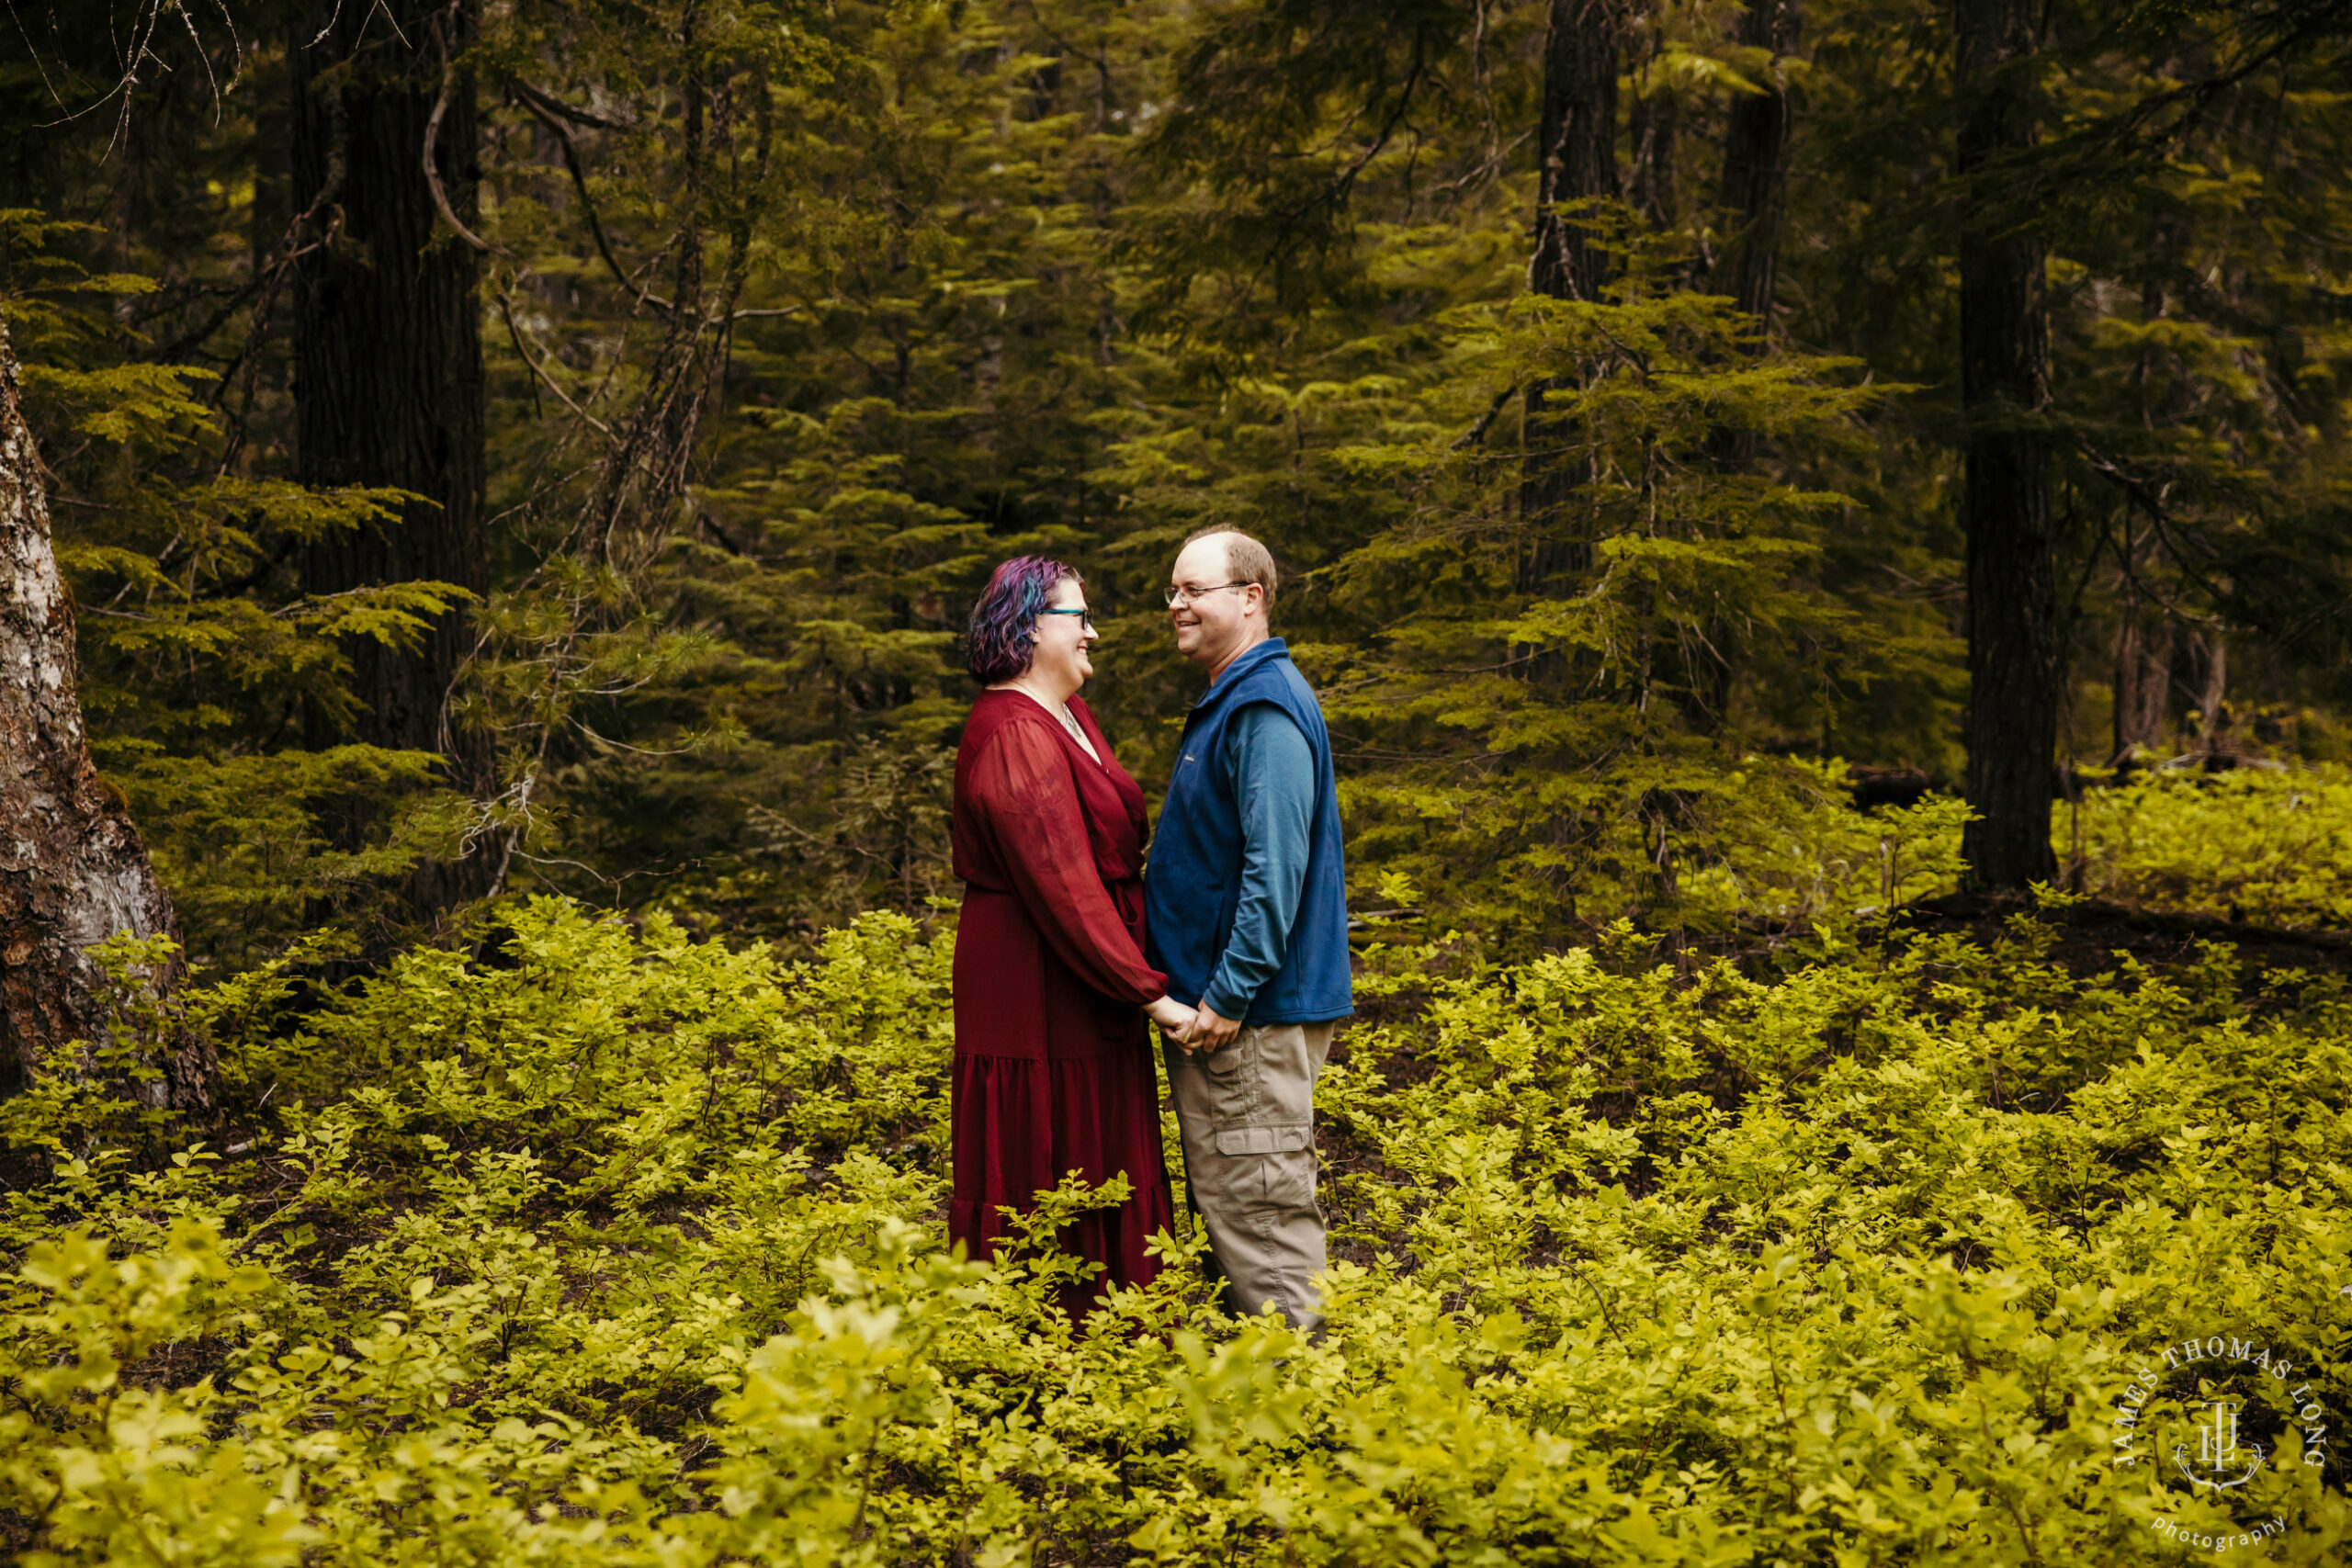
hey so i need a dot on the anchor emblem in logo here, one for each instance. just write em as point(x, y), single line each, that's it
point(2217, 1449)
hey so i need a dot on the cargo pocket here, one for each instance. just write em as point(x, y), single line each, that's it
point(1285, 1173)
point(1234, 1077)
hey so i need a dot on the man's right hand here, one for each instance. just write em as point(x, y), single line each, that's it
point(1209, 1031)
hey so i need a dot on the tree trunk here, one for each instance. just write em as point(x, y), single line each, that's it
point(1755, 139)
point(72, 872)
point(2143, 681)
point(2013, 655)
point(1577, 141)
point(1650, 129)
point(2212, 689)
point(388, 373)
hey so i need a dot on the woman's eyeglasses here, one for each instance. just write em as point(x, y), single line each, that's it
point(1088, 623)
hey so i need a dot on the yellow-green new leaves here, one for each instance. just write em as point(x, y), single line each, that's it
point(115, 1469)
point(604, 1246)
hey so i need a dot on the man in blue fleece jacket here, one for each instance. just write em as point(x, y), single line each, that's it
point(1246, 896)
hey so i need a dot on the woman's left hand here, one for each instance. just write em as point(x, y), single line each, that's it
point(1170, 1015)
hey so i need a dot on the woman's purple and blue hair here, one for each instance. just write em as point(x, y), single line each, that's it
point(996, 645)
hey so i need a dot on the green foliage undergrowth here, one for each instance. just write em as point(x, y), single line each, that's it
point(608, 1247)
point(2274, 848)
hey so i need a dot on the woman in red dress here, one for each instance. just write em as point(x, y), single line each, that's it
point(1054, 1064)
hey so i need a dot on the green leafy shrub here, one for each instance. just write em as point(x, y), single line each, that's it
point(2268, 847)
point(1801, 853)
point(608, 1247)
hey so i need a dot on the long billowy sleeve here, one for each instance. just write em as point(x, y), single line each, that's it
point(1023, 786)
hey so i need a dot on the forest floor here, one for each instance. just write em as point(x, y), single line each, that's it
point(548, 1260)
point(2088, 937)
point(2091, 933)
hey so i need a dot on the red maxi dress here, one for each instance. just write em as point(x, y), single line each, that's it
point(1053, 1063)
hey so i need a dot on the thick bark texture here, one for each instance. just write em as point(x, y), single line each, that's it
point(72, 872)
point(387, 348)
point(1754, 177)
point(2013, 654)
point(1576, 139)
point(1578, 143)
point(1755, 139)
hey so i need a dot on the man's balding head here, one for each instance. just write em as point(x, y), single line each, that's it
point(1246, 560)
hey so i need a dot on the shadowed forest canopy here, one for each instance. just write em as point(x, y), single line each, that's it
point(553, 447)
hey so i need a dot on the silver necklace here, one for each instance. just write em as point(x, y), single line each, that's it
point(1060, 711)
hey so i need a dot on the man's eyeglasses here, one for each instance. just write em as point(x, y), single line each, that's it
point(1088, 623)
point(1186, 595)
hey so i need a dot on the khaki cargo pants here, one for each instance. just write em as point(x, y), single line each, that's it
point(1248, 1114)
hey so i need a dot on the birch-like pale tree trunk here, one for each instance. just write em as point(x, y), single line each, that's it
point(73, 871)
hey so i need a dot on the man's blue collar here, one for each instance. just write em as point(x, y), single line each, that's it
point(1272, 647)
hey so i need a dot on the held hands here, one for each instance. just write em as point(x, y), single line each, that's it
point(1209, 1032)
point(1173, 1017)
point(1193, 1029)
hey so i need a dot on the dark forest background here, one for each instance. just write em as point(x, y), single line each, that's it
point(542, 446)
